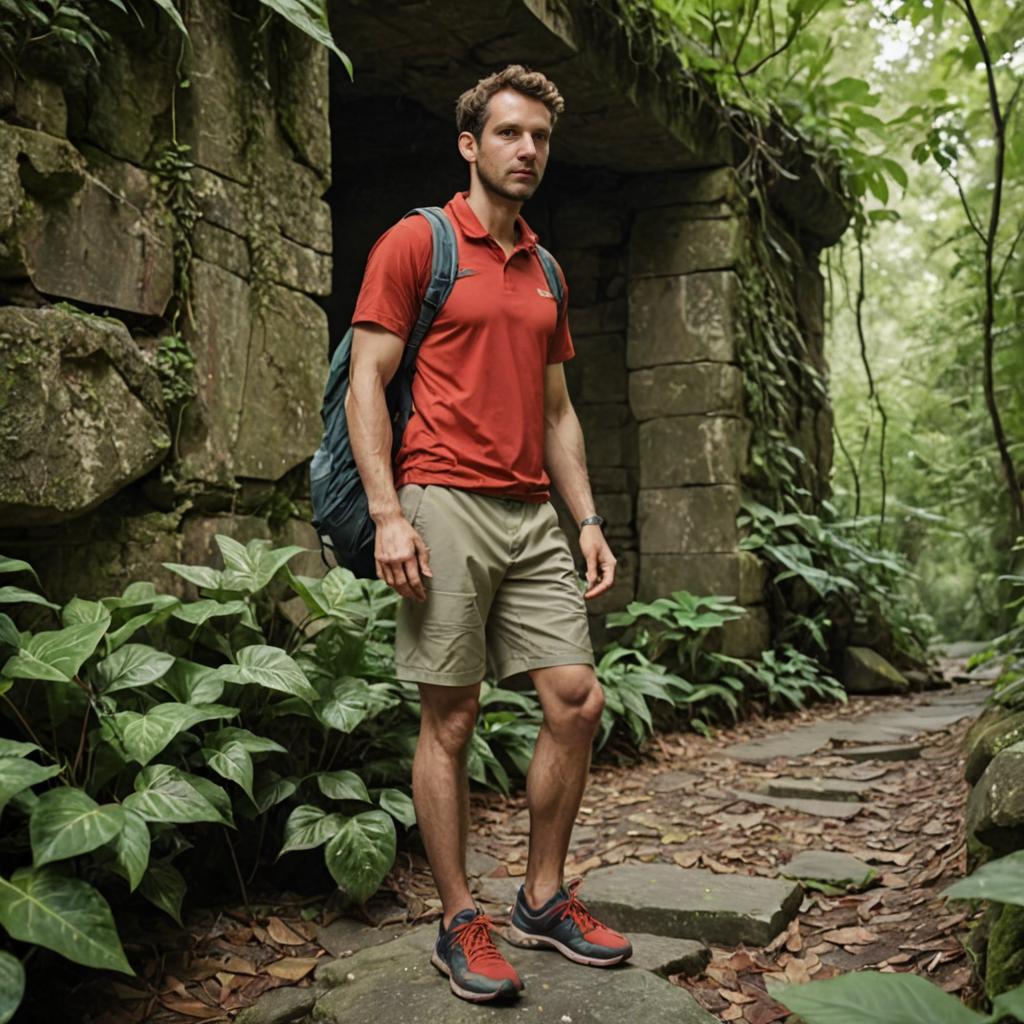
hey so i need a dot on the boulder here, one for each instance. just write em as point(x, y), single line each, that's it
point(995, 808)
point(994, 731)
point(82, 411)
point(866, 672)
point(1004, 954)
point(830, 868)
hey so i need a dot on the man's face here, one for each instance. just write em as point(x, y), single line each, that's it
point(512, 152)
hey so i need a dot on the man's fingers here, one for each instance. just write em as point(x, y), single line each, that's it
point(423, 554)
point(412, 575)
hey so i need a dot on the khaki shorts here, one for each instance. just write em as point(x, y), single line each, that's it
point(504, 596)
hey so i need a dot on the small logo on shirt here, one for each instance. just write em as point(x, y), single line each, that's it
point(544, 294)
point(467, 272)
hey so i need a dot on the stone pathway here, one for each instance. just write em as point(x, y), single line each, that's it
point(782, 850)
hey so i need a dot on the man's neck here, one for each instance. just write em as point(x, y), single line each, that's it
point(496, 214)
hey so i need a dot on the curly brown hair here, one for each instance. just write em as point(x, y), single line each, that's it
point(471, 106)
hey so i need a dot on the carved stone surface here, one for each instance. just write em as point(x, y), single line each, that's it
point(680, 450)
point(670, 241)
point(684, 520)
point(740, 575)
point(82, 412)
point(686, 389)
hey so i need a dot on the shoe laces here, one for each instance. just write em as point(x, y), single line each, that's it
point(475, 939)
point(576, 908)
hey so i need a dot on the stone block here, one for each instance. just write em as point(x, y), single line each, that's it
point(129, 102)
point(670, 241)
point(219, 335)
point(302, 98)
point(740, 575)
point(216, 64)
point(98, 236)
point(287, 365)
point(292, 198)
point(39, 105)
point(623, 590)
point(745, 637)
point(718, 187)
point(685, 520)
point(995, 808)
point(675, 451)
point(224, 248)
point(617, 510)
point(682, 319)
point(991, 734)
point(865, 672)
point(82, 412)
point(685, 390)
point(301, 268)
point(604, 368)
point(600, 318)
point(221, 201)
point(830, 867)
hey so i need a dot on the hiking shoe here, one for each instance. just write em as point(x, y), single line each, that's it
point(565, 924)
point(475, 967)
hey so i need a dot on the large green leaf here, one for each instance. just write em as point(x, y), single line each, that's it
point(18, 773)
point(66, 822)
point(201, 575)
point(77, 611)
point(165, 793)
point(132, 665)
point(190, 683)
point(869, 997)
point(1009, 1006)
point(1001, 881)
point(308, 827)
point(56, 655)
point(12, 985)
point(198, 612)
point(361, 853)
point(164, 887)
point(342, 785)
point(9, 632)
point(167, 6)
point(252, 567)
point(271, 668)
point(398, 805)
point(310, 16)
point(163, 606)
point(131, 847)
point(345, 704)
point(16, 748)
point(15, 595)
point(253, 743)
point(272, 788)
point(229, 759)
point(144, 736)
point(10, 565)
point(67, 915)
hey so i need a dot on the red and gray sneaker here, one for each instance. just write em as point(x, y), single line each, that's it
point(565, 924)
point(475, 967)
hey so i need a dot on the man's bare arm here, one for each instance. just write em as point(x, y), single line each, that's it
point(566, 462)
point(400, 553)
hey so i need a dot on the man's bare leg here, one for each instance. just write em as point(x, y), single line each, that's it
point(572, 700)
point(440, 787)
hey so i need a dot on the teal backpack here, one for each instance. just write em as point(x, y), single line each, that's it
point(341, 515)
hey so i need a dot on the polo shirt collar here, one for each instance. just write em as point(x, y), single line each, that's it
point(470, 226)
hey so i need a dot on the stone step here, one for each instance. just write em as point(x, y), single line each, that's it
point(815, 788)
point(842, 809)
point(692, 903)
point(830, 867)
point(396, 982)
point(880, 752)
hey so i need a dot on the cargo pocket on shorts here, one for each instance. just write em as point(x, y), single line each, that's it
point(410, 498)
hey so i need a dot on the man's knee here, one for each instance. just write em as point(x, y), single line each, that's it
point(572, 698)
point(448, 715)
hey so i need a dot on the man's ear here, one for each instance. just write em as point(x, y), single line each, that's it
point(467, 147)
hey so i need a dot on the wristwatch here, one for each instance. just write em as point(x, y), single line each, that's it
point(592, 521)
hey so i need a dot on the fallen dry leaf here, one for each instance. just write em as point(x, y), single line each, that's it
point(291, 968)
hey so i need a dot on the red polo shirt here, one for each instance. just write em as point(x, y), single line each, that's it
point(478, 393)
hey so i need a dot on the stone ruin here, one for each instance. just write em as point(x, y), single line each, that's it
point(105, 472)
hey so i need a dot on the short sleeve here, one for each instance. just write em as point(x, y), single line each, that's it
point(560, 346)
point(396, 277)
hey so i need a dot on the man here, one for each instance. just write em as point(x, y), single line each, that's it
point(469, 538)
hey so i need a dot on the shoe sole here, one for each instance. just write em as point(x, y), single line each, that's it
point(517, 937)
point(464, 993)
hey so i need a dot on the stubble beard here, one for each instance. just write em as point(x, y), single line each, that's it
point(498, 189)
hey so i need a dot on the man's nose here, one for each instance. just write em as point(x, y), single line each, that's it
point(527, 149)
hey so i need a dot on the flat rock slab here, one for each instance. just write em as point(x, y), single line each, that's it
point(396, 984)
point(838, 869)
point(670, 782)
point(881, 752)
point(692, 903)
point(345, 935)
point(664, 955)
point(815, 789)
point(875, 728)
point(843, 809)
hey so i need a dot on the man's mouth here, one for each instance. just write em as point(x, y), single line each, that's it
point(524, 174)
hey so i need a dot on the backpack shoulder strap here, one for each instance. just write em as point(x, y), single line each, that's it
point(444, 266)
point(551, 272)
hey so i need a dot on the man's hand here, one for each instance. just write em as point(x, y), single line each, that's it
point(402, 557)
point(600, 561)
